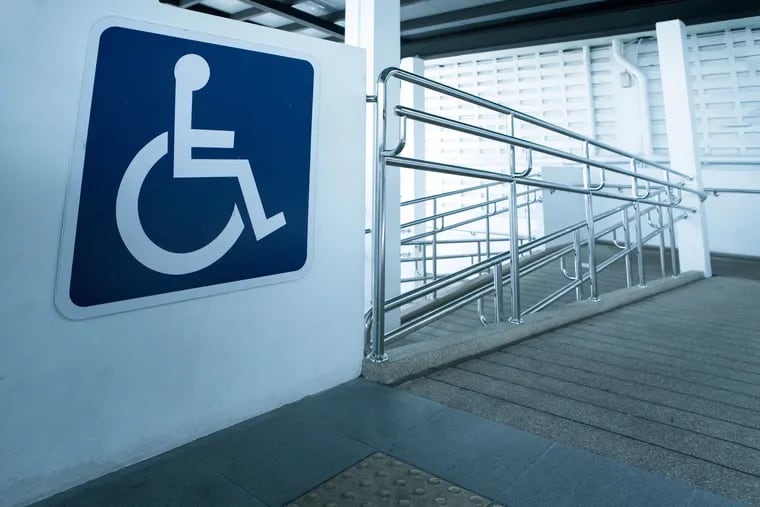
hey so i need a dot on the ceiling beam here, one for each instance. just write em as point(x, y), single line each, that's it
point(486, 13)
point(331, 16)
point(341, 16)
point(246, 13)
point(613, 17)
point(298, 16)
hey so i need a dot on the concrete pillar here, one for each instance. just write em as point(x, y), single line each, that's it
point(693, 245)
point(375, 25)
point(414, 96)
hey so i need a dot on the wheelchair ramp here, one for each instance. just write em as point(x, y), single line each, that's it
point(533, 288)
point(670, 384)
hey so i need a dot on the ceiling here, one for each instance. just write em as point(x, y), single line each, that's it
point(432, 28)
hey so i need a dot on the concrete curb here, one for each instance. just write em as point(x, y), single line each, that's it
point(414, 359)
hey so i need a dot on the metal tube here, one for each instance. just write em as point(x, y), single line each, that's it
point(377, 353)
point(463, 209)
point(423, 320)
point(474, 269)
point(434, 246)
point(661, 228)
point(578, 264)
point(426, 198)
point(530, 230)
point(424, 264)
point(488, 224)
point(411, 239)
point(481, 311)
point(514, 245)
point(589, 205)
point(637, 225)
point(627, 233)
point(716, 191)
point(481, 301)
point(672, 234)
point(564, 290)
point(425, 165)
point(498, 287)
point(440, 121)
point(409, 77)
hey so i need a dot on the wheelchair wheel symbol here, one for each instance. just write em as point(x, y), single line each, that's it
point(191, 73)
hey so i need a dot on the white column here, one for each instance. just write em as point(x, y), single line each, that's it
point(414, 96)
point(375, 25)
point(693, 246)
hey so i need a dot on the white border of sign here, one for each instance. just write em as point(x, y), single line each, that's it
point(66, 254)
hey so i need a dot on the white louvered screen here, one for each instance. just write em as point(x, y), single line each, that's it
point(551, 85)
point(567, 87)
point(726, 71)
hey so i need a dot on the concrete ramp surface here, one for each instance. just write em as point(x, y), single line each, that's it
point(670, 384)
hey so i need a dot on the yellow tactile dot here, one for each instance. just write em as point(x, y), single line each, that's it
point(383, 481)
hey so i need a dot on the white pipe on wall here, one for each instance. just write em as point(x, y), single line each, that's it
point(641, 80)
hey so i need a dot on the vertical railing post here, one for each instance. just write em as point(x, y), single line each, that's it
point(671, 232)
point(488, 240)
point(590, 227)
point(434, 244)
point(377, 350)
point(527, 211)
point(627, 233)
point(514, 244)
point(498, 292)
point(488, 223)
point(675, 270)
point(578, 264)
point(660, 225)
point(424, 262)
point(637, 225)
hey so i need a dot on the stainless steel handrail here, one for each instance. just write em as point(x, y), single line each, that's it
point(717, 191)
point(450, 193)
point(429, 218)
point(389, 156)
point(411, 239)
point(423, 320)
point(440, 121)
point(457, 170)
point(485, 265)
point(409, 77)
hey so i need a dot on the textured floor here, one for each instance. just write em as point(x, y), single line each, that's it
point(670, 384)
point(296, 454)
point(384, 480)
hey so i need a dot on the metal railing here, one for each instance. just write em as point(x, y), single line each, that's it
point(649, 195)
point(427, 243)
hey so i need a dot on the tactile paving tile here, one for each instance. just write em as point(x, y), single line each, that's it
point(382, 481)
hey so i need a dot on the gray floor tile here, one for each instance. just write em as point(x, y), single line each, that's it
point(166, 482)
point(374, 414)
point(278, 458)
point(704, 499)
point(566, 476)
point(465, 449)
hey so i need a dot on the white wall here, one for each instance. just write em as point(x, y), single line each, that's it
point(82, 398)
point(732, 218)
point(578, 85)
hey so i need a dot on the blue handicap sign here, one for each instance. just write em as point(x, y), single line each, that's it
point(195, 174)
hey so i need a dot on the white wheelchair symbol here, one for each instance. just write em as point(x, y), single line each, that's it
point(191, 73)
